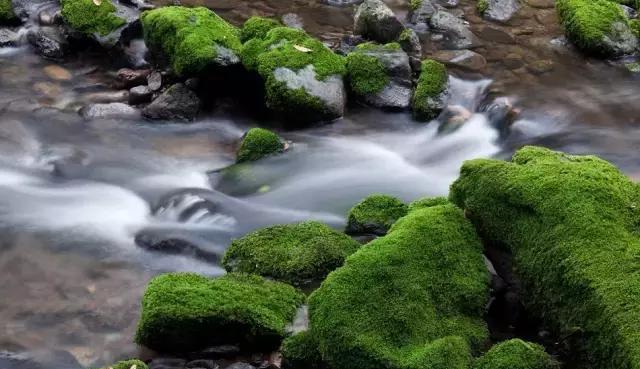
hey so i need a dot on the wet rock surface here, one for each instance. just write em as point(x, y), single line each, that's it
point(176, 103)
point(375, 21)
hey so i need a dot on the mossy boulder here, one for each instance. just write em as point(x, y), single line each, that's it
point(184, 312)
point(516, 354)
point(193, 40)
point(7, 16)
point(375, 215)
point(428, 202)
point(375, 21)
point(380, 75)
point(87, 17)
point(128, 364)
point(258, 143)
point(597, 27)
point(431, 94)
point(300, 351)
point(257, 27)
point(303, 78)
point(295, 253)
point(412, 299)
point(571, 223)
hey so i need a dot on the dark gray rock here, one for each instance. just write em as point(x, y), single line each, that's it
point(109, 111)
point(8, 38)
point(348, 43)
point(140, 95)
point(128, 78)
point(375, 21)
point(422, 13)
point(629, 12)
point(176, 103)
point(456, 33)
point(48, 42)
point(202, 363)
point(26, 9)
point(410, 43)
point(500, 10)
point(241, 365)
point(154, 81)
point(620, 40)
point(466, 59)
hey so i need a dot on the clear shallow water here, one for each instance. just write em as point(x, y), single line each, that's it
point(74, 193)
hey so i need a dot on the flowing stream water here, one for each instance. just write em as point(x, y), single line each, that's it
point(74, 193)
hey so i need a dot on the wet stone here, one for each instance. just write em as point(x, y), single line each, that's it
point(455, 32)
point(513, 61)
point(176, 103)
point(128, 78)
point(57, 72)
point(540, 66)
point(374, 20)
point(154, 81)
point(202, 363)
point(215, 352)
point(140, 95)
point(496, 35)
point(109, 111)
point(501, 10)
point(466, 59)
point(8, 38)
point(49, 42)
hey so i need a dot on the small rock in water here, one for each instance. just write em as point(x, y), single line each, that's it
point(129, 78)
point(456, 33)
point(500, 10)
point(466, 59)
point(109, 111)
point(49, 42)
point(154, 81)
point(374, 20)
point(176, 103)
point(540, 66)
point(140, 95)
point(8, 38)
point(108, 96)
point(57, 72)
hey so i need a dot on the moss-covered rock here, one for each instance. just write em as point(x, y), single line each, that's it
point(380, 75)
point(516, 354)
point(428, 202)
point(300, 351)
point(597, 27)
point(258, 143)
point(572, 225)
point(193, 39)
point(412, 299)
point(295, 253)
point(375, 215)
point(183, 312)
point(257, 27)
point(303, 78)
point(429, 98)
point(7, 16)
point(86, 17)
point(128, 364)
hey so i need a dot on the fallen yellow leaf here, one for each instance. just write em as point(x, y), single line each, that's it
point(302, 48)
point(97, 2)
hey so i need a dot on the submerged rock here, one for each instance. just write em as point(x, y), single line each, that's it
point(8, 38)
point(432, 91)
point(140, 95)
point(258, 143)
point(597, 27)
point(183, 312)
point(498, 10)
point(298, 254)
point(421, 11)
point(192, 39)
point(397, 303)
point(49, 42)
point(456, 33)
point(104, 21)
point(375, 21)
point(176, 103)
point(570, 222)
point(375, 215)
point(380, 75)
point(114, 110)
point(303, 78)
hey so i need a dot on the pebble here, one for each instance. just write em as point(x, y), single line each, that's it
point(129, 78)
point(57, 72)
point(154, 81)
point(140, 95)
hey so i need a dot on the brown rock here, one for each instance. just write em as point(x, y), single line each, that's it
point(128, 78)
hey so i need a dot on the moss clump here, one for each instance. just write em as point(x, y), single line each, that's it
point(300, 351)
point(428, 202)
point(258, 143)
point(516, 354)
point(432, 82)
point(375, 214)
point(6, 12)
point(367, 74)
point(184, 312)
point(572, 223)
point(482, 5)
point(412, 299)
point(588, 23)
point(257, 27)
point(294, 253)
point(128, 364)
point(191, 38)
point(87, 17)
point(415, 4)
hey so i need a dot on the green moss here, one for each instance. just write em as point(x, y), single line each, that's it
point(412, 299)
point(482, 6)
point(183, 312)
point(128, 364)
point(258, 143)
point(6, 12)
point(428, 202)
point(300, 351)
point(189, 37)
point(572, 223)
point(516, 354)
point(296, 102)
point(415, 4)
point(588, 22)
point(375, 214)
point(635, 26)
point(257, 27)
point(432, 82)
point(87, 17)
point(367, 74)
point(295, 253)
